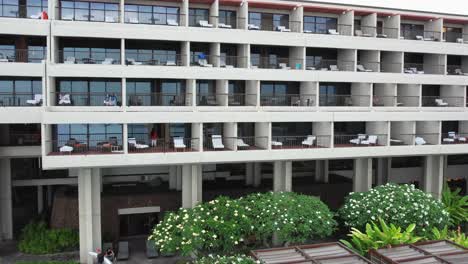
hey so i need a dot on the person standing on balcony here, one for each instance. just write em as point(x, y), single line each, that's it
point(153, 137)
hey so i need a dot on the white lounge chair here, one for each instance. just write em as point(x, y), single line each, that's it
point(419, 37)
point(70, 60)
point(134, 143)
point(419, 141)
point(36, 101)
point(110, 19)
point(132, 61)
point(179, 143)
point(3, 58)
point(222, 25)
point(66, 149)
point(359, 33)
point(204, 63)
point(311, 68)
point(276, 143)
point(171, 63)
point(217, 141)
point(359, 139)
point(108, 61)
point(282, 29)
point(253, 27)
point(133, 20)
point(309, 141)
point(333, 32)
point(204, 23)
point(361, 68)
point(172, 22)
point(371, 140)
point(284, 66)
point(222, 63)
point(460, 72)
point(441, 102)
point(334, 68)
point(64, 99)
point(241, 144)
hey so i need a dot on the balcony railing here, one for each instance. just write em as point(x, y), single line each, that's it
point(152, 18)
point(157, 59)
point(89, 14)
point(22, 55)
point(158, 99)
point(203, 60)
point(401, 140)
point(368, 66)
point(283, 63)
point(139, 143)
point(211, 99)
point(456, 70)
point(426, 35)
point(324, 28)
point(251, 143)
point(280, 26)
point(365, 31)
point(391, 67)
point(21, 11)
point(293, 100)
point(85, 145)
point(300, 142)
point(360, 140)
point(420, 68)
point(395, 101)
point(420, 139)
point(442, 101)
point(330, 65)
point(239, 99)
point(89, 57)
point(87, 99)
point(344, 100)
point(455, 37)
point(22, 139)
point(232, 61)
point(387, 32)
point(454, 138)
point(20, 99)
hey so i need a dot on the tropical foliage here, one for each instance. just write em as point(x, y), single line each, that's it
point(226, 226)
point(400, 205)
point(379, 235)
point(456, 205)
point(37, 238)
point(457, 237)
point(215, 259)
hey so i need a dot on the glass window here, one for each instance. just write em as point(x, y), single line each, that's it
point(227, 17)
point(196, 15)
point(17, 92)
point(35, 8)
point(255, 19)
point(320, 25)
point(9, 8)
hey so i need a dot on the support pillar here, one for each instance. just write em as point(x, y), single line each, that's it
point(179, 178)
point(40, 199)
point(257, 180)
point(384, 166)
point(172, 177)
point(249, 174)
point(89, 199)
point(282, 176)
point(362, 176)
point(50, 197)
point(6, 206)
point(191, 185)
point(433, 177)
point(321, 171)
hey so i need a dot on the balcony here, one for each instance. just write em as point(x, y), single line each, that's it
point(293, 100)
point(20, 135)
point(325, 25)
point(300, 142)
point(89, 11)
point(454, 138)
point(21, 92)
point(344, 100)
point(30, 55)
point(159, 53)
point(454, 35)
point(360, 140)
point(32, 10)
point(153, 15)
point(272, 22)
point(395, 101)
point(442, 101)
point(214, 99)
point(87, 92)
point(158, 99)
point(275, 62)
point(90, 56)
point(415, 32)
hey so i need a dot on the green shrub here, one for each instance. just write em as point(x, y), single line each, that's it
point(456, 237)
point(380, 235)
point(456, 205)
point(36, 238)
point(400, 205)
point(215, 259)
point(46, 262)
point(226, 226)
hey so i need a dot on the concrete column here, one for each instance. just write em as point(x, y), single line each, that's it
point(257, 177)
point(122, 11)
point(172, 177)
point(184, 13)
point(50, 197)
point(321, 171)
point(282, 176)
point(125, 138)
point(124, 92)
point(362, 177)
point(249, 174)
point(433, 175)
point(40, 199)
point(191, 185)
point(6, 206)
point(287, 173)
point(179, 178)
point(89, 204)
point(384, 165)
point(122, 53)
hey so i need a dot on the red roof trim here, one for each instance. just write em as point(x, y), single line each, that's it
point(271, 5)
point(230, 2)
point(320, 9)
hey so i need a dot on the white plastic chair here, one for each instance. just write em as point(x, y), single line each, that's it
point(333, 32)
point(419, 37)
point(217, 141)
point(282, 29)
point(441, 102)
point(253, 27)
point(361, 68)
point(276, 143)
point(110, 19)
point(172, 22)
point(334, 68)
point(222, 25)
point(371, 140)
point(67, 149)
point(284, 66)
point(171, 63)
point(132, 61)
point(108, 61)
point(36, 101)
point(419, 141)
point(179, 143)
point(64, 99)
point(204, 23)
point(241, 144)
point(359, 139)
point(132, 141)
point(309, 141)
point(70, 60)
point(204, 63)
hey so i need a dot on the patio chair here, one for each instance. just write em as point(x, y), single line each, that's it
point(108, 61)
point(334, 68)
point(222, 25)
point(241, 144)
point(408, 70)
point(361, 68)
point(440, 102)
point(204, 23)
point(66, 149)
point(284, 66)
point(171, 63)
point(133, 20)
point(110, 19)
point(151, 251)
point(172, 22)
point(371, 140)
point(419, 141)
point(282, 29)
point(217, 141)
point(309, 141)
point(204, 63)
point(123, 250)
point(415, 70)
point(64, 99)
point(110, 100)
point(3, 58)
point(333, 32)
point(382, 36)
point(418, 37)
point(253, 27)
point(132, 142)
point(70, 60)
point(132, 61)
point(460, 72)
point(179, 143)
point(36, 101)
point(358, 140)
point(222, 63)
point(276, 144)
point(360, 33)
point(311, 68)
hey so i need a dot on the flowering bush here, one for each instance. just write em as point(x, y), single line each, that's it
point(400, 205)
point(226, 226)
point(239, 259)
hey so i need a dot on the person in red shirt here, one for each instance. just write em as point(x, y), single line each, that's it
point(154, 137)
